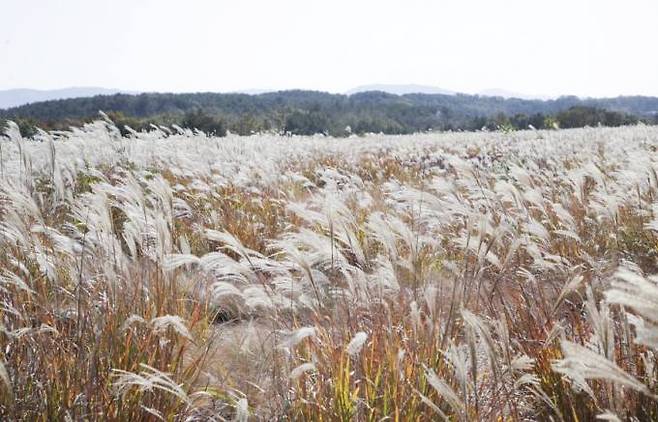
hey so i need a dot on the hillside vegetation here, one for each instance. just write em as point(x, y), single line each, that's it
point(170, 275)
point(310, 112)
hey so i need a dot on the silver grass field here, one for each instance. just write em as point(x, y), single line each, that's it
point(169, 275)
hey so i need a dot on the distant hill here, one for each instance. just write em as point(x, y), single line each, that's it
point(307, 112)
point(401, 89)
point(497, 92)
point(252, 91)
point(17, 97)
point(432, 90)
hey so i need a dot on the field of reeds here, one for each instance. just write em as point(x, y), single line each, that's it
point(168, 275)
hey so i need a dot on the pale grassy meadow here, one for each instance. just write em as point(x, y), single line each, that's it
point(460, 276)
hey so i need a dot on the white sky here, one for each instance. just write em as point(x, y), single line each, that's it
point(581, 47)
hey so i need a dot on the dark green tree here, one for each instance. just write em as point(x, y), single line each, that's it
point(202, 121)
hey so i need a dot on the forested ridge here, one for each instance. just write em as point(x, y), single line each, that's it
point(309, 112)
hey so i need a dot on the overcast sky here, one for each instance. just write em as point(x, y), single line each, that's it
point(581, 47)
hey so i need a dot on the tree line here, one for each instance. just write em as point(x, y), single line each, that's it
point(310, 112)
